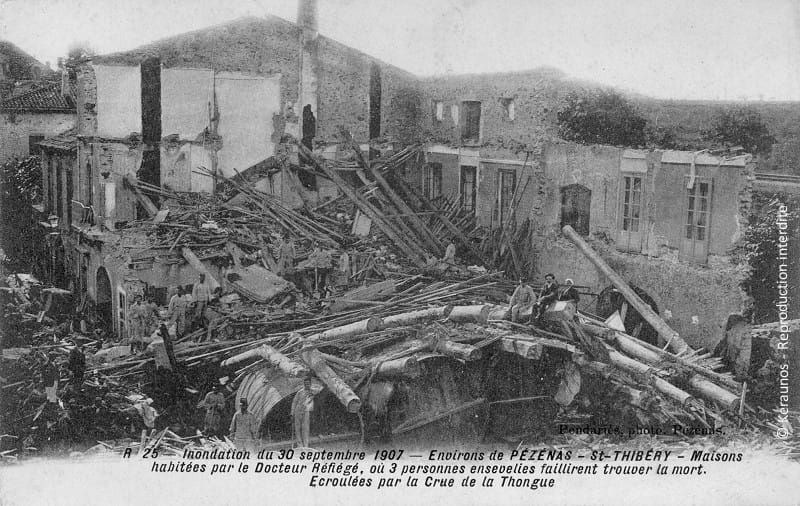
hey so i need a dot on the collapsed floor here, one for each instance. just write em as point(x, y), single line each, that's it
point(406, 349)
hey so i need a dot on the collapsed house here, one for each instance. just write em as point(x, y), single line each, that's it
point(182, 162)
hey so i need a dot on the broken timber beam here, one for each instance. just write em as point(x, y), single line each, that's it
point(272, 356)
point(365, 207)
point(417, 224)
point(143, 199)
point(673, 340)
point(337, 386)
point(197, 265)
point(445, 221)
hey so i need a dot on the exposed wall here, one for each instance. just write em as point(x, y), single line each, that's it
point(16, 128)
point(536, 96)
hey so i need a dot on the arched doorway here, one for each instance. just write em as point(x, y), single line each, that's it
point(103, 299)
point(611, 300)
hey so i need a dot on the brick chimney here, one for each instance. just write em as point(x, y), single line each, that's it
point(307, 14)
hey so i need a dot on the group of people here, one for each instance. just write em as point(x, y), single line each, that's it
point(524, 298)
point(244, 426)
point(184, 311)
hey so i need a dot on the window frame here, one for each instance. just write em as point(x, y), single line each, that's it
point(462, 183)
point(503, 212)
point(432, 180)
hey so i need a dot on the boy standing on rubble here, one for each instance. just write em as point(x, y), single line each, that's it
point(177, 311)
point(50, 379)
point(201, 294)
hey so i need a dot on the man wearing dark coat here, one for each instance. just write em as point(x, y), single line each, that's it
point(548, 295)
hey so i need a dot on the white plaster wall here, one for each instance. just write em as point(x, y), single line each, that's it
point(247, 106)
point(119, 100)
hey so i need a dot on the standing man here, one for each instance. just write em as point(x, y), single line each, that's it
point(450, 253)
point(214, 404)
point(201, 294)
point(521, 300)
point(178, 306)
point(302, 406)
point(77, 363)
point(569, 292)
point(286, 255)
point(244, 427)
point(50, 379)
point(135, 324)
point(547, 296)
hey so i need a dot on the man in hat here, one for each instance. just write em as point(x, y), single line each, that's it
point(214, 404)
point(521, 300)
point(547, 296)
point(302, 406)
point(244, 427)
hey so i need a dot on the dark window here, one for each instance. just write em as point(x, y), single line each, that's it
point(33, 140)
point(374, 101)
point(471, 128)
point(576, 203)
point(632, 203)
point(468, 187)
point(432, 180)
point(506, 184)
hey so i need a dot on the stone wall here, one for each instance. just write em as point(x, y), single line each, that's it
point(15, 129)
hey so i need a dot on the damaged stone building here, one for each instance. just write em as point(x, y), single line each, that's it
point(221, 99)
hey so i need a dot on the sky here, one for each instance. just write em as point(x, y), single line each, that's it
point(682, 49)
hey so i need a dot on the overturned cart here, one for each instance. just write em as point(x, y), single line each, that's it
point(456, 374)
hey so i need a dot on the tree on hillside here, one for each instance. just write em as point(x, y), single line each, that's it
point(601, 117)
point(77, 52)
point(740, 126)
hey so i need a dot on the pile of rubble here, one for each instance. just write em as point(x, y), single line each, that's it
point(406, 341)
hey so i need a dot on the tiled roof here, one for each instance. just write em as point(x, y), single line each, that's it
point(48, 98)
point(65, 141)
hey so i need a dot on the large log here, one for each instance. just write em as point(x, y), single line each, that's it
point(366, 208)
point(467, 314)
point(673, 340)
point(401, 368)
point(419, 227)
point(358, 296)
point(663, 386)
point(413, 317)
point(652, 355)
point(335, 384)
point(351, 329)
point(197, 265)
point(460, 351)
point(273, 356)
